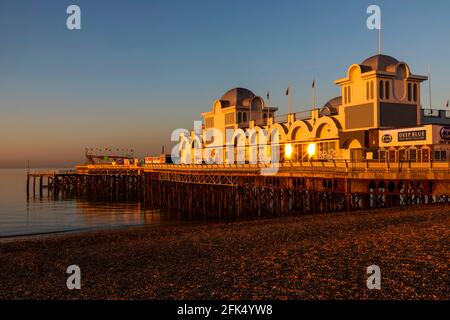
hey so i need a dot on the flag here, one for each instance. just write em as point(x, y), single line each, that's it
point(287, 90)
point(313, 84)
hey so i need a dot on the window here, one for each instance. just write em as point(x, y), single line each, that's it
point(209, 122)
point(367, 91)
point(440, 155)
point(391, 154)
point(413, 155)
point(381, 90)
point(239, 117)
point(388, 90)
point(229, 118)
point(371, 90)
point(415, 92)
point(425, 155)
point(345, 95)
point(409, 92)
point(349, 95)
point(401, 155)
point(244, 116)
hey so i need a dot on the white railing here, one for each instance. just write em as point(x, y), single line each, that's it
point(431, 113)
point(303, 115)
point(330, 166)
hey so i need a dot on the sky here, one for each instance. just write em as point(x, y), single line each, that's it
point(138, 69)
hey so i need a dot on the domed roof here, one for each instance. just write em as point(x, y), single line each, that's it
point(331, 107)
point(334, 103)
point(237, 96)
point(379, 62)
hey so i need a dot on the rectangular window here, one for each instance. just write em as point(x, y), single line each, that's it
point(209, 122)
point(391, 155)
point(440, 155)
point(333, 149)
point(413, 155)
point(229, 118)
point(425, 155)
point(437, 155)
point(402, 155)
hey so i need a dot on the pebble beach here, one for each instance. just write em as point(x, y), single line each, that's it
point(321, 256)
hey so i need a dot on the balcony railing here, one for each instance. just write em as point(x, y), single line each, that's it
point(303, 115)
point(331, 166)
point(261, 122)
point(431, 113)
point(283, 118)
point(447, 113)
point(243, 124)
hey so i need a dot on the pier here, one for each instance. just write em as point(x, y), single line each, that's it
point(45, 181)
point(373, 146)
point(241, 191)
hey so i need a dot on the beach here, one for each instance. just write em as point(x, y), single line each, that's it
point(322, 256)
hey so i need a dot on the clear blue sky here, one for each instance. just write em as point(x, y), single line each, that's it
point(139, 69)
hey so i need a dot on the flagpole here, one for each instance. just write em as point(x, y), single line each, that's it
point(250, 115)
point(314, 94)
point(379, 40)
point(429, 84)
point(289, 101)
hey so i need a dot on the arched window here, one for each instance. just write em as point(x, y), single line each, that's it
point(388, 90)
point(371, 90)
point(264, 115)
point(244, 116)
point(415, 92)
point(239, 117)
point(349, 95)
point(381, 90)
point(402, 72)
point(409, 92)
point(345, 95)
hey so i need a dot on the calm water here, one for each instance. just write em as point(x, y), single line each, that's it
point(35, 216)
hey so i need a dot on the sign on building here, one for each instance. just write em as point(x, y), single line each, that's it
point(414, 135)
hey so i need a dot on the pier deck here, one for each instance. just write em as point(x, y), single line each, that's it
point(243, 190)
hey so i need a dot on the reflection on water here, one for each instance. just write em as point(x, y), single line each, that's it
point(43, 215)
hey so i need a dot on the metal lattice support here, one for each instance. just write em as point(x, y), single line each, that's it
point(245, 194)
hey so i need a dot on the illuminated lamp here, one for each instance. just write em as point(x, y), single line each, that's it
point(311, 150)
point(288, 151)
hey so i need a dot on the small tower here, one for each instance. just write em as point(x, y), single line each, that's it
point(381, 92)
point(235, 109)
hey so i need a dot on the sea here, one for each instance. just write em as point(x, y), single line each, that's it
point(34, 215)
